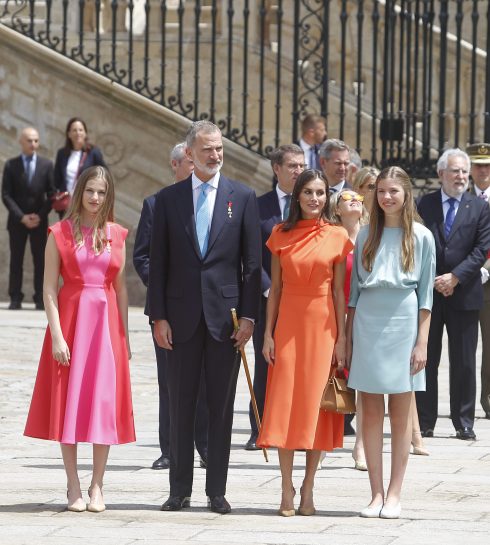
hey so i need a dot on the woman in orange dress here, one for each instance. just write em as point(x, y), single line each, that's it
point(304, 335)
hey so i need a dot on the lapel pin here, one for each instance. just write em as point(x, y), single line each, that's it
point(230, 213)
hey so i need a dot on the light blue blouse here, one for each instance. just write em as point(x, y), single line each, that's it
point(387, 271)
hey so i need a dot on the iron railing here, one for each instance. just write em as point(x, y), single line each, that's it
point(399, 80)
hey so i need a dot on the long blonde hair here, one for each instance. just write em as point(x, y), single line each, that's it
point(105, 213)
point(377, 222)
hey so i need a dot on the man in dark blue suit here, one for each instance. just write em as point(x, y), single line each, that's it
point(287, 163)
point(313, 134)
point(27, 185)
point(334, 161)
point(182, 167)
point(460, 224)
point(205, 259)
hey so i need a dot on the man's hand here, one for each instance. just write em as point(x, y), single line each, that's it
point(163, 334)
point(31, 221)
point(446, 283)
point(242, 336)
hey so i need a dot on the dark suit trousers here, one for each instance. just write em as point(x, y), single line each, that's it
point(462, 333)
point(485, 358)
point(18, 235)
point(261, 367)
point(201, 423)
point(185, 364)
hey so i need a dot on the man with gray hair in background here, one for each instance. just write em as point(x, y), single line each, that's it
point(460, 223)
point(334, 161)
point(182, 167)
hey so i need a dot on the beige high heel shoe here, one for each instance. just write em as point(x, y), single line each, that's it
point(287, 512)
point(78, 506)
point(96, 504)
point(306, 511)
point(418, 450)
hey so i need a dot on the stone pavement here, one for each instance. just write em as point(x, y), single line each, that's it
point(446, 496)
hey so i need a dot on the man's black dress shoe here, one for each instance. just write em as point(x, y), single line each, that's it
point(427, 433)
point(466, 434)
point(162, 463)
point(218, 504)
point(176, 503)
point(348, 429)
point(251, 444)
point(15, 305)
point(487, 416)
point(39, 305)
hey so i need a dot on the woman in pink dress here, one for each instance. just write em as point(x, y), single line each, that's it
point(82, 391)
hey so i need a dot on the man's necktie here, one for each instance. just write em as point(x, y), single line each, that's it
point(29, 168)
point(483, 196)
point(287, 206)
point(312, 157)
point(450, 216)
point(203, 218)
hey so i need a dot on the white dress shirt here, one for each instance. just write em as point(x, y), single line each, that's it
point(31, 165)
point(478, 192)
point(196, 190)
point(72, 169)
point(307, 151)
point(445, 204)
point(281, 195)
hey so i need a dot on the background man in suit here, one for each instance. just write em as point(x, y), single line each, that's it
point(205, 259)
point(287, 163)
point(27, 186)
point(480, 174)
point(334, 161)
point(460, 224)
point(182, 167)
point(313, 134)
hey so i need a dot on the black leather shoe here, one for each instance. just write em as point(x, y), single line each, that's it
point(15, 305)
point(39, 305)
point(176, 503)
point(348, 429)
point(162, 463)
point(251, 443)
point(218, 504)
point(427, 433)
point(466, 434)
point(487, 415)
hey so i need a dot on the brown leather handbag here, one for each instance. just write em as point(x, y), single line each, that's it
point(337, 396)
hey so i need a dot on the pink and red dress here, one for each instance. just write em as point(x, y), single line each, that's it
point(89, 401)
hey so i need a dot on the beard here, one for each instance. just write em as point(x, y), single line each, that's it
point(209, 171)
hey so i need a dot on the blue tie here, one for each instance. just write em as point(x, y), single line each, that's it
point(29, 168)
point(312, 157)
point(450, 216)
point(287, 206)
point(203, 218)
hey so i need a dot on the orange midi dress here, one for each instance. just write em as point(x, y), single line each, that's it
point(304, 338)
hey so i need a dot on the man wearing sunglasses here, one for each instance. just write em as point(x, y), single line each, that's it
point(287, 162)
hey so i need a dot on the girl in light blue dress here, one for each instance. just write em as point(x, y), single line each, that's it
point(387, 328)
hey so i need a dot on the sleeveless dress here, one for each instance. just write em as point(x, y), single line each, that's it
point(304, 338)
point(90, 400)
point(387, 302)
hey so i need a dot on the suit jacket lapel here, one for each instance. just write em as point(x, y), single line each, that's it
point(185, 205)
point(220, 213)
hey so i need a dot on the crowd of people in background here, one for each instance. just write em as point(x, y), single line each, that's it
point(339, 268)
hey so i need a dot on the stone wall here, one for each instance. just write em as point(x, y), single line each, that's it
point(41, 88)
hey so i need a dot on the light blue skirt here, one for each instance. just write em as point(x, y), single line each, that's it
point(384, 334)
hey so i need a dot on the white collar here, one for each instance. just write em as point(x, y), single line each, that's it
point(446, 197)
point(280, 193)
point(213, 182)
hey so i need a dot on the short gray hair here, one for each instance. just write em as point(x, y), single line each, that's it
point(178, 152)
point(355, 158)
point(200, 126)
point(332, 144)
point(452, 152)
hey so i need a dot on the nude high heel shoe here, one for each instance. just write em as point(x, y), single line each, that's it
point(96, 504)
point(78, 506)
point(306, 511)
point(287, 512)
